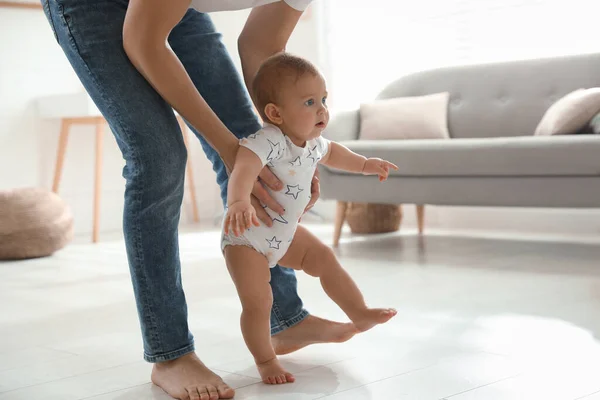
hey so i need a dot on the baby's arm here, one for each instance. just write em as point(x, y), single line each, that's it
point(341, 157)
point(241, 214)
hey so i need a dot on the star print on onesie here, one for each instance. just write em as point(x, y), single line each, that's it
point(274, 151)
point(295, 167)
point(313, 155)
point(279, 219)
point(274, 243)
point(294, 191)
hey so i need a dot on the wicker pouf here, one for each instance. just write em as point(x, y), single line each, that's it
point(373, 218)
point(33, 223)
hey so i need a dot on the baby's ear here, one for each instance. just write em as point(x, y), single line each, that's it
point(273, 114)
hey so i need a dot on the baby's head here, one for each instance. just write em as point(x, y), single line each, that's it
point(290, 92)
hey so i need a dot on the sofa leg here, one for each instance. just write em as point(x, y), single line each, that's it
point(420, 217)
point(340, 216)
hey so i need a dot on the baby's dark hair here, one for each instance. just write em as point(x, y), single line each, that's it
point(273, 74)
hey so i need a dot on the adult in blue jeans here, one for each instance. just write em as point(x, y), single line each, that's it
point(139, 60)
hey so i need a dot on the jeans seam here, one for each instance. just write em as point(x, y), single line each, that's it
point(70, 35)
point(46, 7)
point(138, 201)
point(275, 310)
point(139, 256)
point(171, 355)
point(290, 322)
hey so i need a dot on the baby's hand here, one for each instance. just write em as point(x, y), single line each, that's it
point(241, 215)
point(377, 166)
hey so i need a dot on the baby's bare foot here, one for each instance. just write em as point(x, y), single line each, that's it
point(187, 378)
point(273, 373)
point(373, 316)
point(311, 330)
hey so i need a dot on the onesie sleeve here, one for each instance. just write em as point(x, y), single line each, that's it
point(299, 5)
point(322, 146)
point(268, 144)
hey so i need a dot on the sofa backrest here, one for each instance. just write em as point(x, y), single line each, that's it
point(501, 99)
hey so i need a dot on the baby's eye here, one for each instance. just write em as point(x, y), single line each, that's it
point(324, 100)
point(309, 102)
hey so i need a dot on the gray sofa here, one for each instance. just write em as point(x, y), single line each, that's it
point(492, 158)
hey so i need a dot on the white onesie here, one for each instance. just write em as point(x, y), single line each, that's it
point(295, 167)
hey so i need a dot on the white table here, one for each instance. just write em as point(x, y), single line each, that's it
point(79, 109)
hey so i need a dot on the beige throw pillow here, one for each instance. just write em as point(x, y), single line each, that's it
point(571, 113)
point(419, 117)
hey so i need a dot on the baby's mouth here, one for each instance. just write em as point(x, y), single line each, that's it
point(321, 124)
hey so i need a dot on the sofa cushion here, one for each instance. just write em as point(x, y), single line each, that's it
point(418, 117)
point(575, 155)
point(571, 113)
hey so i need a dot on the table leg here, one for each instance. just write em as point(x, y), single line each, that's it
point(60, 153)
point(420, 217)
point(98, 178)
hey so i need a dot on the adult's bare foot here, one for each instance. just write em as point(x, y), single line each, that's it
point(187, 378)
point(312, 330)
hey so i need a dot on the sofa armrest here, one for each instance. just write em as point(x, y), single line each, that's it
point(343, 126)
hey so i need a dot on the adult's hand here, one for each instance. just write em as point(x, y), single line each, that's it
point(260, 195)
point(315, 192)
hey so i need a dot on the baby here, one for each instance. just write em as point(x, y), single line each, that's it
point(290, 94)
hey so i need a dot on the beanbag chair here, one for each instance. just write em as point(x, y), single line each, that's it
point(33, 223)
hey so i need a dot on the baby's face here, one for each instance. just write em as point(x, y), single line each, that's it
point(304, 108)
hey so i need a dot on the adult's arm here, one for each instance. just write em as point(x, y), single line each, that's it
point(266, 33)
point(147, 26)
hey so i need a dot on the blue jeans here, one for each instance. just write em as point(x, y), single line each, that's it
point(145, 127)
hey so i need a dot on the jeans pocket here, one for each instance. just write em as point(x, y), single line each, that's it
point(48, 13)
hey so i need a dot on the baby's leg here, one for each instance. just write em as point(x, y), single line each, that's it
point(308, 253)
point(250, 273)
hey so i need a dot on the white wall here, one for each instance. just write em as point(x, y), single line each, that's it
point(32, 65)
